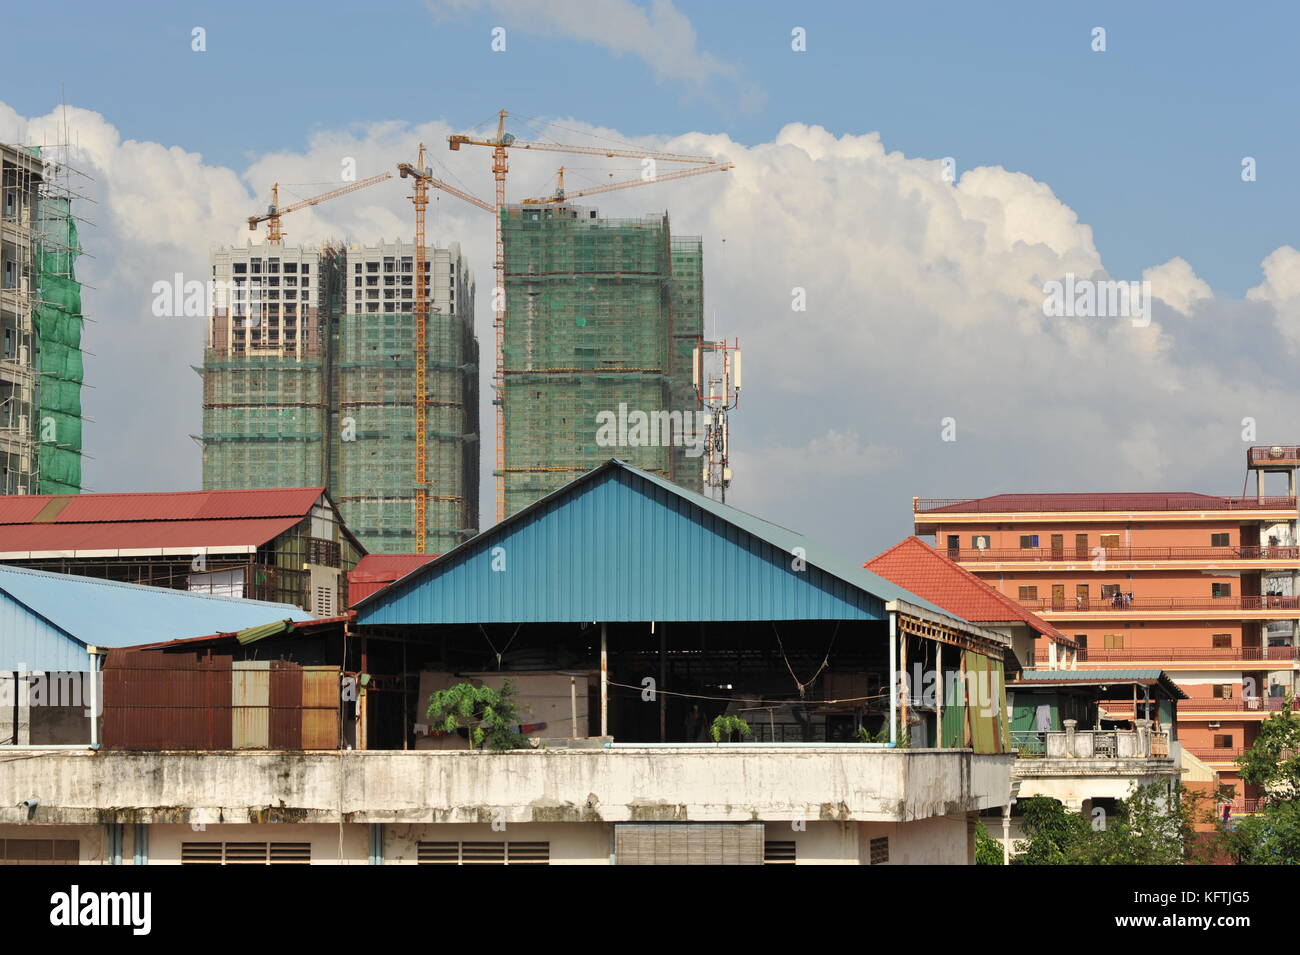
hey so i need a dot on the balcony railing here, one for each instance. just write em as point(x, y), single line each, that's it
point(1091, 744)
point(1140, 604)
point(1269, 552)
point(1215, 754)
point(1278, 454)
point(1177, 654)
point(1015, 503)
point(1249, 704)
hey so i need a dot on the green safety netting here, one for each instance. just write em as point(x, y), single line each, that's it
point(58, 321)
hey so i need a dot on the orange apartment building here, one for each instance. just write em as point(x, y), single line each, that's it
point(1204, 587)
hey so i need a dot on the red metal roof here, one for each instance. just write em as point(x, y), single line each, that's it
point(915, 565)
point(44, 523)
point(145, 535)
point(1119, 501)
point(374, 572)
point(165, 506)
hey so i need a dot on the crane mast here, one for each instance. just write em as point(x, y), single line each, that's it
point(420, 199)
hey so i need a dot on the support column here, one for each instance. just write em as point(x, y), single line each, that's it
point(663, 682)
point(140, 843)
point(604, 682)
point(893, 678)
point(362, 735)
point(938, 694)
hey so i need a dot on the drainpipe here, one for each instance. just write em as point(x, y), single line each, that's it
point(893, 678)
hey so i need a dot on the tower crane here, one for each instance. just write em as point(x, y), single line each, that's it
point(274, 212)
point(561, 196)
point(500, 145)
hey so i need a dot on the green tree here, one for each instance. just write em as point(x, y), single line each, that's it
point(728, 726)
point(1153, 826)
point(1053, 832)
point(491, 716)
point(988, 851)
point(1273, 761)
point(1272, 835)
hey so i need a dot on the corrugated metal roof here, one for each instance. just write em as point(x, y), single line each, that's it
point(167, 506)
point(1095, 501)
point(1101, 677)
point(914, 564)
point(620, 544)
point(53, 615)
point(40, 539)
point(374, 572)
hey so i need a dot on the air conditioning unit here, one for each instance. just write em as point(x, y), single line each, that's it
point(1213, 724)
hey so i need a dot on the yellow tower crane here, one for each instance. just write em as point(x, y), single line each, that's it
point(273, 213)
point(500, 146)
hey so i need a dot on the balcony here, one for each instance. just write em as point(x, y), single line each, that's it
point(1215, 754)
point(1211, 555)
point(1073, 763)
point(1190, 654)
point(1072, 607)
point(1091, 744)
point(1249, 704)
point(1120, 503)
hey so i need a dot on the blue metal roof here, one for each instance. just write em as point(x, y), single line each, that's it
point(47, 620)
point(619, 544)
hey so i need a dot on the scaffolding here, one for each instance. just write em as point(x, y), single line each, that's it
point(590, 316)
point(323, 393)
point(41, 364)
point(373, 463)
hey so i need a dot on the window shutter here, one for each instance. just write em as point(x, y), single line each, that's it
point(723, 843)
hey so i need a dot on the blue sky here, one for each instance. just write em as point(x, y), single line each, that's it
point(925, 297)
point(1144, 140)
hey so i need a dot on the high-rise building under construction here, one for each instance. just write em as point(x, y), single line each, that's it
point(40, 326)
point(602, 320)
point(309, 379)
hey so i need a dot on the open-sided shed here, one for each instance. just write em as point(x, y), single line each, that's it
point(667, 609)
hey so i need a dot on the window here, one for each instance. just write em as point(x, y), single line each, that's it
point(1114, 641)
point(1109, 591)
point(1108, 540)
point(1222, 741)
point(1220, 590)
point(880, 850)
point(39, 852)
point(1219, 540)
point(980, 542)
point(1222, 691)
point(779, 853)
point(483, 853)
point(1220, 641)
point(1028, 540)
point(245, 853)
point(1082, 640)
point(1028, 593)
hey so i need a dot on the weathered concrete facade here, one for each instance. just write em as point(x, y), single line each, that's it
point(704, 783)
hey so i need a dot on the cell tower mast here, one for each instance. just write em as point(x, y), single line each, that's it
point(717, 379)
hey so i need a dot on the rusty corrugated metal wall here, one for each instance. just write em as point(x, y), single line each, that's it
point(156, 701)
point(166, 701)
